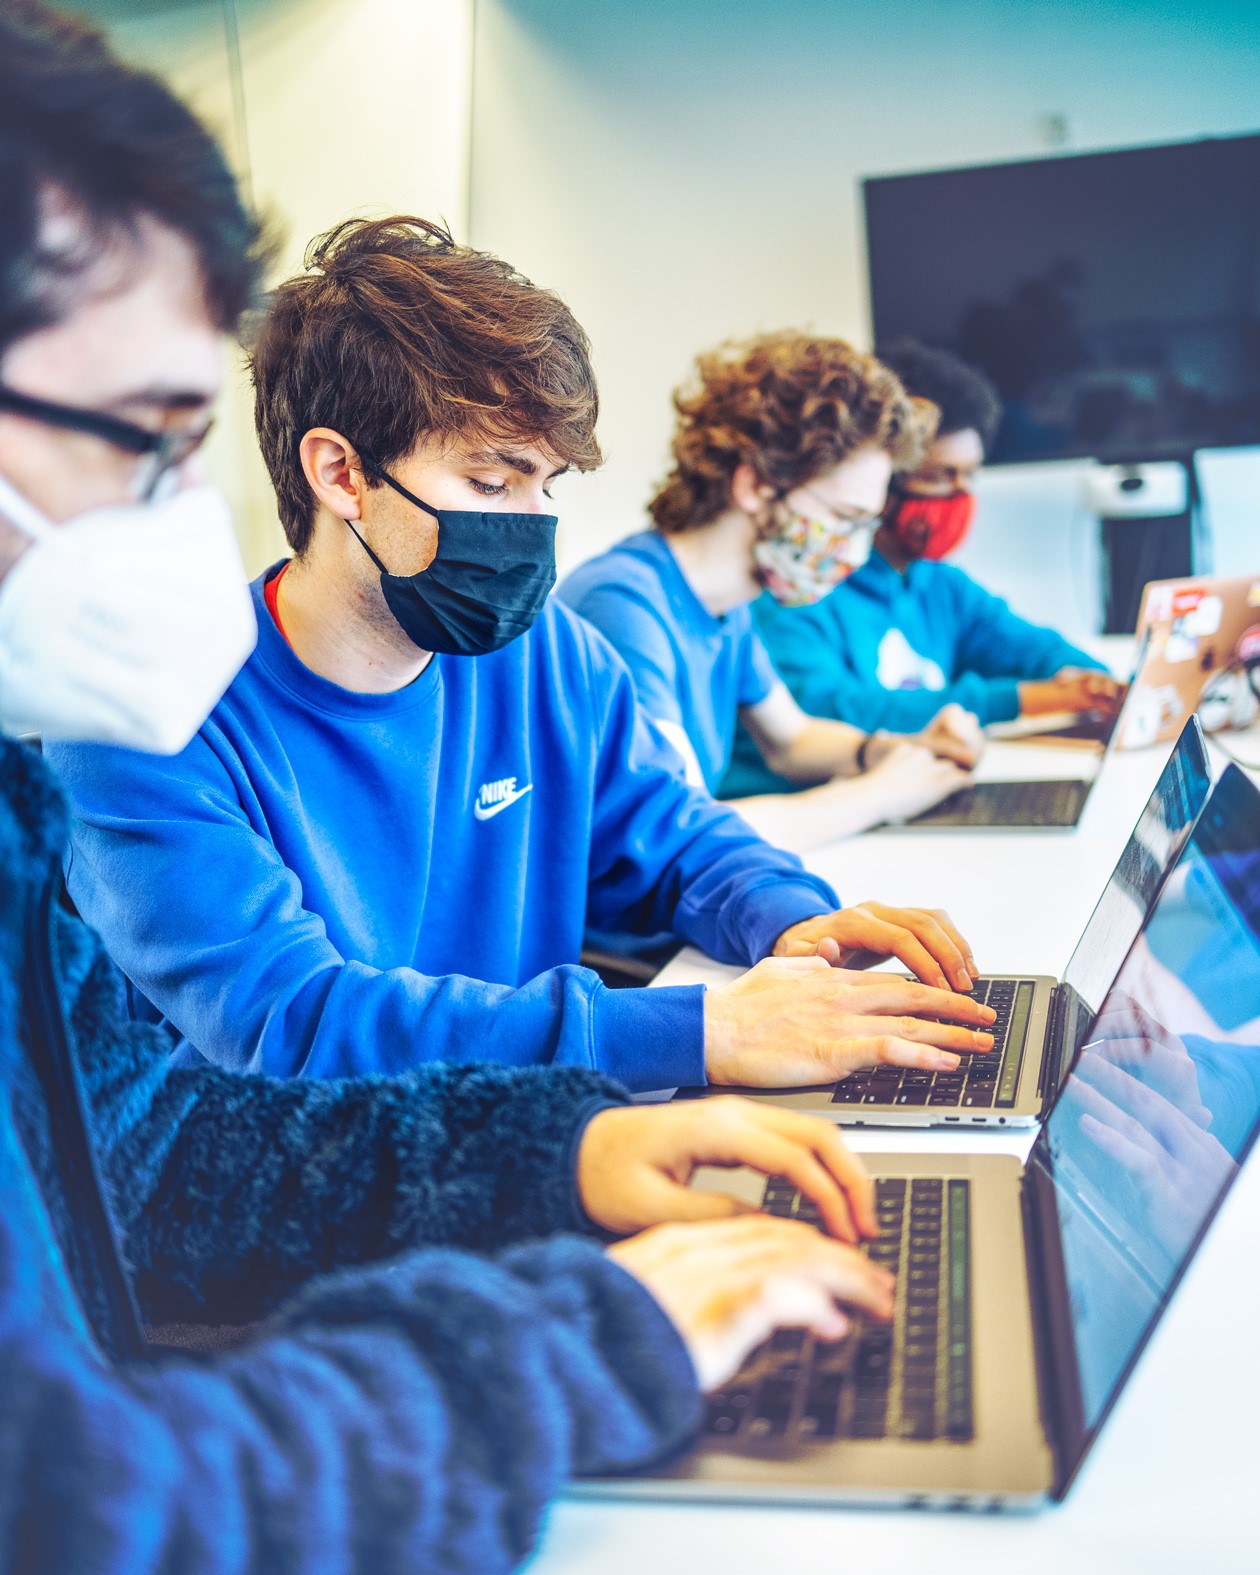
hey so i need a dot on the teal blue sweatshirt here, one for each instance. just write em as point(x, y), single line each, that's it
point(888, 650)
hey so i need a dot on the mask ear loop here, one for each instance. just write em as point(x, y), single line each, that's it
point(369, 466)
point(366, 548)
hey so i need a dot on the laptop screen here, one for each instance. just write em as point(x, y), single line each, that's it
point(1162, 1104)
point(1157, 838)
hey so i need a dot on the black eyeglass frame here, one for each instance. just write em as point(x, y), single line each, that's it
point(164, 450)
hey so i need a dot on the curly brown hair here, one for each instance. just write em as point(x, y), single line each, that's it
point(396, 333)
point(791, 406)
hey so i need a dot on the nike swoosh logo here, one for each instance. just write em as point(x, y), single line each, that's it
point(487, 812)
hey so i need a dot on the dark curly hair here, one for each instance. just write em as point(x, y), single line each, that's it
point(965, 396)
point(791, 406)
point(119, 146)
point(396, 333)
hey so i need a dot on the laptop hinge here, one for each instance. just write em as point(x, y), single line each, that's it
point(1058, 1382)
point(1052, 1060)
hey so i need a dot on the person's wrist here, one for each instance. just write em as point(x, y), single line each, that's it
point(721, 1029)
point(582, 1162)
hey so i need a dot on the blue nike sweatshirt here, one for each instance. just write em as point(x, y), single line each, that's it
point(888, 650)
point(327, 883)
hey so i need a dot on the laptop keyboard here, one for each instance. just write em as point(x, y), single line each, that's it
point(1010, 804)
point(987, 1080)
point(910, 1379)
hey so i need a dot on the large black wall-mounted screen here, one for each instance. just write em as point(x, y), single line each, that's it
point(1114, 298)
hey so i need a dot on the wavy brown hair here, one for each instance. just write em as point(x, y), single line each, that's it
point(395, 334)
point(791, 406)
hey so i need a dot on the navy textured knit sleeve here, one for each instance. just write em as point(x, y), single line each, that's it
point(232, 1191)
point(417, 1417)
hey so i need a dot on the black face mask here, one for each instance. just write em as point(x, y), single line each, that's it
point(487, 582)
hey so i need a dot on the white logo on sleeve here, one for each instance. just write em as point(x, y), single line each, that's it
point(494, 797)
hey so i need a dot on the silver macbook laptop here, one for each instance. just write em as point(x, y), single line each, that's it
point(1052, 804)
point(1038, 1018)
point(1024, 1295)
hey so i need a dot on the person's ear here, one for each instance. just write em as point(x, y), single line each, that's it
point(333, 472)
point(749, 493)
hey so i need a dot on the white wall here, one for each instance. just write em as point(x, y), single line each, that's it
point(686, 170)
point(350, 106)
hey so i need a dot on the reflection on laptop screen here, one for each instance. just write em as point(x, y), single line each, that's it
point(1157, 839)
point(1165, 1096)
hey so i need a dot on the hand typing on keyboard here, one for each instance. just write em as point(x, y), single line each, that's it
point(727, 1286)
point(793, 1022)
point(925, 939)
point(634, 1164)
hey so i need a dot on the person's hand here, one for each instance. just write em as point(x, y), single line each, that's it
point(954, 734)
point(1072, 689)
point(906, 778)
point(924, 939)
point(1128, 1037)
point(799, 1021)
point(634, 1163)
point(728, 1285)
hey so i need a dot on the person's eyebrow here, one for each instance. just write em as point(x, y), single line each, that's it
point(517, 462)
point(499, 456)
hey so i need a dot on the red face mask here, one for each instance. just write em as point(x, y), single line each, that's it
point(931, 527)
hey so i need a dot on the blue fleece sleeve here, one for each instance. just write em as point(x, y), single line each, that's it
point(416, 1416)
point(249, 976)
point(995, 643)
point(231, 1192)
point(665, 856)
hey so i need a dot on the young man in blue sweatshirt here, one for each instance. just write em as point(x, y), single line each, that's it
point(907, 632)
point(416, 1409)
point(384, 845)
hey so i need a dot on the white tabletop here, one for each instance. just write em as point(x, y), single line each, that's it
point(1173, 1482)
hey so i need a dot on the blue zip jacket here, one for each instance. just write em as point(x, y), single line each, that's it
point(414, 1413)
point(888, 650)
point(328, 883)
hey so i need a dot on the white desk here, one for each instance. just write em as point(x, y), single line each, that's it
point(1173, 1485)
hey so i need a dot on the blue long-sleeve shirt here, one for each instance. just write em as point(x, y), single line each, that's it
point(413, 1411)
point(327, 883)
point(888, 650)
point(689, 667)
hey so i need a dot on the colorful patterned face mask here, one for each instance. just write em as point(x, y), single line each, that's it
point(804, 556)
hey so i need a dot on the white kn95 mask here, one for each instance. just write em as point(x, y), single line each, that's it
point(124, 625)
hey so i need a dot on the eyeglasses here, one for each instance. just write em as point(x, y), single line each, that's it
point(161, 451)
point(852, 524)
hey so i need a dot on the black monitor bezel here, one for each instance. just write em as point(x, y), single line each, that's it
point(1114, 454)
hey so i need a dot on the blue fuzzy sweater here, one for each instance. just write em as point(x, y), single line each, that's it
point(402, 1409)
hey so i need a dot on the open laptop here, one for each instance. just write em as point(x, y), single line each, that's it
point(1038, 1018)
point(1192, 629)
point(1025, 1295)
point(1037, 804)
